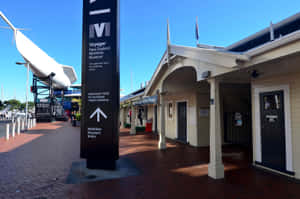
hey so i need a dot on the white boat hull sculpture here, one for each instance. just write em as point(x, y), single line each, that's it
point(41, 64)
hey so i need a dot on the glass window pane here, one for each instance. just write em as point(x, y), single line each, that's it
point(170, 110)
point(272, 102)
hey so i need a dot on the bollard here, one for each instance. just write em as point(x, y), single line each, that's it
point(32, 125)
point(25, 127)
point(28, 124)
point(18, 126)
point(13, 129)
point(7, 131)
point(22, 125)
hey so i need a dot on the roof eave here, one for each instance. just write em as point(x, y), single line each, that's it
point(264, 31)
point(274, 44)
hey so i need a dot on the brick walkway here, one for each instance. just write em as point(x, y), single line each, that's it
point(35, 165)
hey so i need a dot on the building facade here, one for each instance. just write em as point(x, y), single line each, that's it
point(246, 94)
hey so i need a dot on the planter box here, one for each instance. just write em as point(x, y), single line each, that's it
point(140, 129)
point(128, 126)
point(75, 123)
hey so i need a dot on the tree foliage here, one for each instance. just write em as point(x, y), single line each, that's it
point(16, 104)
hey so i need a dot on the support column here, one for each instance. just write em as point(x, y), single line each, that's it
point(215, 167)
point(133, 113)
point(162, 133)
point(122, 117)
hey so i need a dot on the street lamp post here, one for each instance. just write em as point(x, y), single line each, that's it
point(27, 91)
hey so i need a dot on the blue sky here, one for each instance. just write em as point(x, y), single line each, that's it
point(56, 27)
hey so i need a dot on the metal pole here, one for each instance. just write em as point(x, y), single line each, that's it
point(27, 90)
point(7, 21)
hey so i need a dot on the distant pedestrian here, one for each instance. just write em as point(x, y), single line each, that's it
point(140, 117)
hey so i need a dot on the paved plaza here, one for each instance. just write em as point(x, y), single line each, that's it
point(36, 165)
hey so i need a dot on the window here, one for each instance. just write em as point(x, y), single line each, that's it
point(170, 110)
point(272, 102)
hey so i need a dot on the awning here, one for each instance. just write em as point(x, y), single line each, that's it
point(146, 101)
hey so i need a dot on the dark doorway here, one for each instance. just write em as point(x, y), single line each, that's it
point(182, 122)
point(273, 130)
point(237, 114)
point(155, 119)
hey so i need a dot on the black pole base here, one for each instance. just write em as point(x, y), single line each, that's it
point(101, 164)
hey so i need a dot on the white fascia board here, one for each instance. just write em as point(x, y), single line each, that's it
point(158, 68)
point(212, 56)
point(274, 44)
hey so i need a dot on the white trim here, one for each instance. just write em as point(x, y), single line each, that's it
point(275, 171)
point(187, 118)
point(287, 118)
point(194, 52)
point(274, 44)
point(215, 57)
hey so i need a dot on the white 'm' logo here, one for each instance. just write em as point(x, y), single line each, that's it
point(99, 29)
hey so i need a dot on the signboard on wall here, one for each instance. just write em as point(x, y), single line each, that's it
point(100, 82)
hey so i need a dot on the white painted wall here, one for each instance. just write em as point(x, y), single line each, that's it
point(290, 83)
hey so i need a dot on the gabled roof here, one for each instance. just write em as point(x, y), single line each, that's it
point(204, 53)
point(209, 55)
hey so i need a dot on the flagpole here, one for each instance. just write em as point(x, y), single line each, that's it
point(197, 32)
point(271, 31)
point(168, 41)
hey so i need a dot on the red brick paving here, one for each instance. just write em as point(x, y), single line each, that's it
point(36, 164)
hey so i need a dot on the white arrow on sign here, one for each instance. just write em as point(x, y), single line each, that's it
point(98, 111)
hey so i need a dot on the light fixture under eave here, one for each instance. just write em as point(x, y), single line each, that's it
point(255, 74)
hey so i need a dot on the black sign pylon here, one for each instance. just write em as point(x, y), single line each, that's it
point(100, 84)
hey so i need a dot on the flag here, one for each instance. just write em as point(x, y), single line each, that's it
point(197, 30)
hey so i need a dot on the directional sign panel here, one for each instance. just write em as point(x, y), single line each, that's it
point(100, 80)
